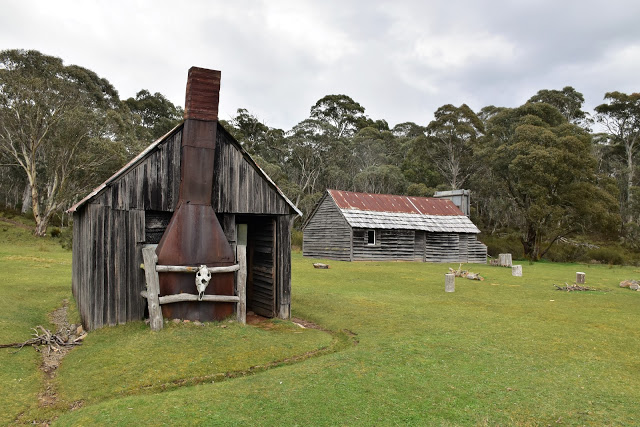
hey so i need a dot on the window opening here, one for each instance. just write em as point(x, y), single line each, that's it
point(371, 237)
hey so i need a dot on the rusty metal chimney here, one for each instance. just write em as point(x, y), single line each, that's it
point(194, 236)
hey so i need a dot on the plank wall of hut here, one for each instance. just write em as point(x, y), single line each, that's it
point(133, 208)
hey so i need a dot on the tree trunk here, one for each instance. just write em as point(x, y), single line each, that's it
point(41, 226)
point(630, 147)
point(531, 243)
point(26, 199)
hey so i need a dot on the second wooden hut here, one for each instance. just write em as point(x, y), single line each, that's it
point(352, 226)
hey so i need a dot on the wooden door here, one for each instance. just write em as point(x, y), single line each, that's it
point(262, 247)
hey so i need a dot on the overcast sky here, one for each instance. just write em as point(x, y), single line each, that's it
point(401, 60)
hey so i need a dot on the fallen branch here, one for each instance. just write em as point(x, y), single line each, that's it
point(51, 342)
point(466, 274)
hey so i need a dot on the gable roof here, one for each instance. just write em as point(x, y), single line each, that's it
point(150, 149)
point(366, 210)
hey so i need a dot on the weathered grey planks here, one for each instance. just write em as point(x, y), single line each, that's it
point(390, 244)
point(134, 208)
point(283, 266)
point(239, 185)
point(327, 234)
point(263, 268)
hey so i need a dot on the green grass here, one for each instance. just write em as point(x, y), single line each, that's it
point(506, 351)
point(34, 279)
point(124, 360)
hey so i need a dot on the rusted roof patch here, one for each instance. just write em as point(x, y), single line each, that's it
point(365, 210)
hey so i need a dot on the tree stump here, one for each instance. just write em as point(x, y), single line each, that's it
point(580, 278)
point(504, 260)
point(449, 282)
point(516, 270)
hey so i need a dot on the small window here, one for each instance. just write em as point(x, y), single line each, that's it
point(371, 237)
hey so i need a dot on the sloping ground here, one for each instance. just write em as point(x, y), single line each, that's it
point(505, 351)
point(33, 282)
point(124, 360)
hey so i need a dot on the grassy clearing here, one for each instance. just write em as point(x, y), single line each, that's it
point(34, 279)
point(504, 351)
point(124, 360)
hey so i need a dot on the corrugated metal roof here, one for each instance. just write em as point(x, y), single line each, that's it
point(393, 203)
point(395, 220)
point(364, 210)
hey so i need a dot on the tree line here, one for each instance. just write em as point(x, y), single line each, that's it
point(538, 168)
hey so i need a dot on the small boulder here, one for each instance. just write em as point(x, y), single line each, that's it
point(631, 284)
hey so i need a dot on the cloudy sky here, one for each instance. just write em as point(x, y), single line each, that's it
point(400, 59)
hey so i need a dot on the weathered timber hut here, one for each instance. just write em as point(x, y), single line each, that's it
point(134, 207)
point(359, 227)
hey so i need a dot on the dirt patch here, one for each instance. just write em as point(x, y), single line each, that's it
point(306, 324)
point(52, 357)
point(255, 319)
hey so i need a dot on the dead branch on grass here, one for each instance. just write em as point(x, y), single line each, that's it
point(575, 287)
point(50, 341)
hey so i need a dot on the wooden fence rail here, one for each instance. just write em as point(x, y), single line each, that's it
point(154, 300)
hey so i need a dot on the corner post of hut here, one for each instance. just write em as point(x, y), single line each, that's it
point(241, 275)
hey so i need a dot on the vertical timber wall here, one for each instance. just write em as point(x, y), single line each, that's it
point(112, 226)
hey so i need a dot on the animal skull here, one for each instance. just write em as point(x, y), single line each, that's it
point(203, 276)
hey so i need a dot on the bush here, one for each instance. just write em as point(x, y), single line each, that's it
point(502, 244)
point(607, 255)
point(54, 232)
point(296, 239)
point(632, 235)
point(66, 238)
point(563, 252)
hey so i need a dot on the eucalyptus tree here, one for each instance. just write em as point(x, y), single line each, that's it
point(340, 112)
point(257, 137)
point(451, 138)
point(381, 179)
point(153, 114)
point(59, 124)
point(621, 118)
point(544, 166)
point(568, 101)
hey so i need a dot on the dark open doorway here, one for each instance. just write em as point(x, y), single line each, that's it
point(261, 263)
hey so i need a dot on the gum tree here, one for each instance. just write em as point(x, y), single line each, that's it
point(59, 124)
point(543, 166)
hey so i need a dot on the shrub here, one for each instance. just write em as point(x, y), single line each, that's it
point(54, 232)
point(502, 244)
point(562, 252)
point(296, 239)
point(607, 255)
point(66, 238)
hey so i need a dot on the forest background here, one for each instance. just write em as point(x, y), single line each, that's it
point(547, 179)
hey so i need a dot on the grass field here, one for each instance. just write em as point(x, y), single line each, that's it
point(505, 351)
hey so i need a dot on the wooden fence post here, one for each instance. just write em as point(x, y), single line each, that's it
point(449, 282)
point(153, 287)
point(241, 275)
point(580, 278)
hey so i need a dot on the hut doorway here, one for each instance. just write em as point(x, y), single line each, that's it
point(261, 264)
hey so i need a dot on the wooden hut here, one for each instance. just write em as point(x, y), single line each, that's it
point(134, 207)
point(352, 226)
